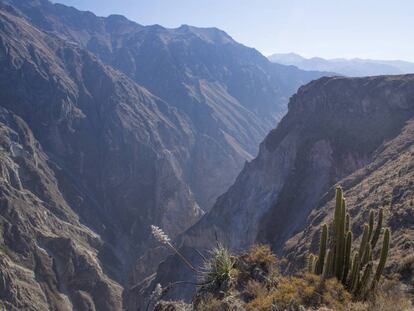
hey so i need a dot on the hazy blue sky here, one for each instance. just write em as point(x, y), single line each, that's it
point(380, 29)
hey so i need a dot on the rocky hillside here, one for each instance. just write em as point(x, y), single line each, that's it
point(231, 95)
point(104, 152)
point(353, 131)
point(90, 158)
point(387, 182)
point(44, 247)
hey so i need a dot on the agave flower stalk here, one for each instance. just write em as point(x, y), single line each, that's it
point(163, 238)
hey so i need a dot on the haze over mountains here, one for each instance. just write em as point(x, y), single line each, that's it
point(108, 127)
point(355, 67)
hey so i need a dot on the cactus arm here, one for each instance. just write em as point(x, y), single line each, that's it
point(348, 246)
point(347, 222)
point(340, 241)
point(322, 248)
point(310, 263)
point(384, 255)
point(377, 231)
point(364, 241)
point(353, 281)
point(363, 283)
point(371, 224)
point(327, 267)
point(367, 254)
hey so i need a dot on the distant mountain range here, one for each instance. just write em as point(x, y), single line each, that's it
point(355, 67)
point(108, 127)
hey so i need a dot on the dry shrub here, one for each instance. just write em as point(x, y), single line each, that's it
point(261, 255)
point(406, 267)
point(255, 289)
point(229, 303)
point(258, 264)
point(389, 296)
point(305, 291)
point(258, 286)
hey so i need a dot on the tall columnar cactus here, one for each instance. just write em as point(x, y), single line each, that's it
point(311, 263)
point(335, 257)
point(377, 231)
point(348, 251)
point(384, 255)
point(322, 249)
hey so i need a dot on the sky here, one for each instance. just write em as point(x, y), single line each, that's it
point(376, 29)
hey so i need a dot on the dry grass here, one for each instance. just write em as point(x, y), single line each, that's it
point(304, 291)
point(261, 255)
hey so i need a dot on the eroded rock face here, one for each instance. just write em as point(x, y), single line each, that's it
point(112, 157)
point(334, 127)
point(386, 182)
point(230, 95)
point(76, 214)
point(49, 260)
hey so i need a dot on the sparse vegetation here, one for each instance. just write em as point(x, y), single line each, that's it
point(336, 279)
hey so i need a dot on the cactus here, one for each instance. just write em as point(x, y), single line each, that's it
point(377, 231)
point(353, 280)
point(367, 255)
point(383, 258)
point(362, 286)
point(364, 241)
point(371, 224)
point(335, 251)
point(322, 249)
point(311, 263)
point(347, 262)
point(328, 265)
point(347, 222)
point(339, 233)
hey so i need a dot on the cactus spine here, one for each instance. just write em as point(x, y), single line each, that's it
point(335, 251)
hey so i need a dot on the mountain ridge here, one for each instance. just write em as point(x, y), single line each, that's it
point(349, 67)
point(118, 154)
point(335, 127)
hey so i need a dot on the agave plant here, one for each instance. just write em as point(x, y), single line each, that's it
point(218, 269)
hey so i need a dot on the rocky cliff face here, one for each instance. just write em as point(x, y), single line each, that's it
point(354, 131)
point(110, 162)
point(48, 259)
point(386, 182)
point(232, 96)
point(90, 158)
